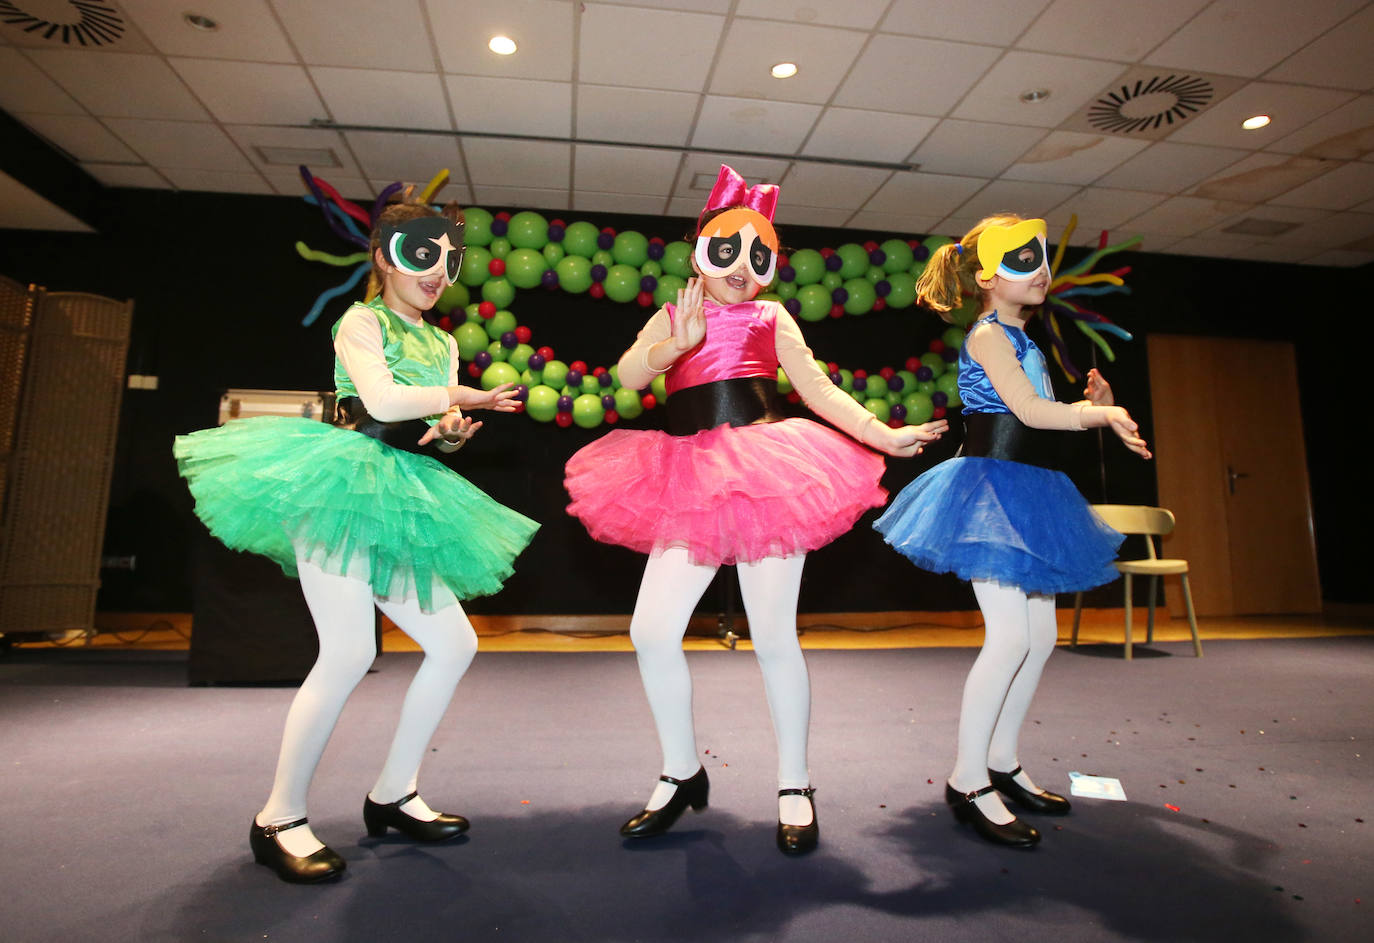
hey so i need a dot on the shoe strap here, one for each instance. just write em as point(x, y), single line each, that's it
point(809, 791)
point(970, 796)
point(665, 778)
point(1011, 775)
point(403, 800)
point(270, 830)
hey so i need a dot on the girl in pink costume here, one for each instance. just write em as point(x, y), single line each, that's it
point(732, 481)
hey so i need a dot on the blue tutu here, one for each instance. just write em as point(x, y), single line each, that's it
point(989, 519)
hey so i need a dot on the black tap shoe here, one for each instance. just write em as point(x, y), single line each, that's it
point(799, 839)
point(322, 865)
point(1016, 834)
point(692, 791)
point(378, 818)
point(1044, 802)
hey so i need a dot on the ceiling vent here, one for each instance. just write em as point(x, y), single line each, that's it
point(1148, 102)
point(64, 22)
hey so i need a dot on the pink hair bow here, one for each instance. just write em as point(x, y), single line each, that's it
point(730, 190)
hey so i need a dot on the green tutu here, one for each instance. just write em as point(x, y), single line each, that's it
point(402, 522)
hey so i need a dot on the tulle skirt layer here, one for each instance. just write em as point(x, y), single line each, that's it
point(726, 495)
point(403, 522)
point(988, 519)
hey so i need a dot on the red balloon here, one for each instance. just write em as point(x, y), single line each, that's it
point(648, 401)
point(446, 324)
point(522, 334)
point(870, 245)
point(937, 346)
point(609, 231)
point(645, 299)
point(474, 370)
point(519, 406)
point(502, 215)
point(546, 353)
point(558, 222)
point(827, 253)
point(598, 371)
point(886, 373)
point(832, 367)
point(837, 311)
point(879, 304)
point(497, 267)
point(784, 260)
point(579, 365)
point(563, 419)
point(860, 374)
point(487, 309)
point(794, 397)
point(896, 423)
point(597, 290)
point(612, 416)
point(913, 363)
point(939, 412)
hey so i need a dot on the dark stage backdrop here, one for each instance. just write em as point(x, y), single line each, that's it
point(220, 293)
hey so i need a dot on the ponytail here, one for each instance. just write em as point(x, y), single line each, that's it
point(950, 274)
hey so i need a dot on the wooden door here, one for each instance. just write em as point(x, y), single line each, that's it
point(1232, 466)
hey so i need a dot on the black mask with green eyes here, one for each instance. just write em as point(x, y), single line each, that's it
point(424, 246)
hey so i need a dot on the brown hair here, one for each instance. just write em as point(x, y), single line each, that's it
point(951, 272)
point(393, 215)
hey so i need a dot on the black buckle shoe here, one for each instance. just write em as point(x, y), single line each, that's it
point(799, 839)
point(378, 817)
point(1015, 834)
point(322, 865)
point(692, 791)
point(1044, 802)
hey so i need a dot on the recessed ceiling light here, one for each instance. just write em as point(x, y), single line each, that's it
point(1033, 95)
point(200, 21)
point(1252, 124)
point(784, 70)
point(502, 45)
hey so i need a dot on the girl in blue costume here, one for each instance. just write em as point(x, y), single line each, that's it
point(363, 518)
point(998, 516)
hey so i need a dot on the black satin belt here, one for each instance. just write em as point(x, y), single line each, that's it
point(399, 435)
point(1002, 435)
point(739, 402)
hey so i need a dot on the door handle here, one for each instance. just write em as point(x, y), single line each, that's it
point(1231, 476)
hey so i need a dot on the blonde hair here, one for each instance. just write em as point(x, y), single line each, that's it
point(393, 215)
point(951, 272)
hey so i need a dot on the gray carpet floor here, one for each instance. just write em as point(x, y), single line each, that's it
point(128, 795)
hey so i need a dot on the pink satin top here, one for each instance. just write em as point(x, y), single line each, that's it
point(740, 342)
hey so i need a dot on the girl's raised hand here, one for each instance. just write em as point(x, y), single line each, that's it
point(1098, 391)
point(910, 440)
point(454, 428)
point(689, 321)
point(1125, 428)
point(499, 398)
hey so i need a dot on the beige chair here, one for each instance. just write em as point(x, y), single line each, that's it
point(1150, 522)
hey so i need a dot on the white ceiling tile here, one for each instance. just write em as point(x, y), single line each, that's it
point(1165, 167)
point(1099, 208)
point(1347, 133)
point(753, 124)
point(588, 201)
point(247, 29)
point(1125, 31)
point(534, 198)
point(26, 88)
point(288, 182)
point(860, 14)
point(85, 139)
point(990, 21)
point(496, 163)
point(1260, 177)
point(1026, 198)
point(1181, 216)
point(1340, 58)
point(606, 113)
point(1071, 157)
point(413, 158)
point(1215, 247)
point(189, 145)
point(217, 181)
point(695, 6)
point(1269, 211)
point(754, 170)
point(913, 76)
point(352, 33)
point(751, 48)
point(252, 93)
point(21, 208)
point(251, 137)
point(974, 148)
point(382, 98)
point(511, 106)
point(955, 227)
point(628, 169)
point(1336, 231)
point(1341, 258)
point(457, 190)
point(867, 135)
point(675, 49)
point(1072, 84)
point(1247, 37)
point(542, 29)
point(1267, 252)
point(1290, 106)
point(120, 85)
point(1341, 188)
point(911, 223)
point(924, 194)
point(831, 186)
point(139, 176)
point(812, 216)
point(688, 208)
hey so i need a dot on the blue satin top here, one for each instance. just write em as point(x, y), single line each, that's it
point(976, 390)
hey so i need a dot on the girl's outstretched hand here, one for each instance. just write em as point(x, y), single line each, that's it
point(454, 429)
point(500, 399)
point(1120, 422)
point(1098, 391)
point(689, 321)
point(910, 440)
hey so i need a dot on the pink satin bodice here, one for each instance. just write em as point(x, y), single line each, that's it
point(739, 342)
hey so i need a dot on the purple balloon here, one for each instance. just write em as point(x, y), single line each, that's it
point(836, 379)
point(574, 378)
point(564, 404)
point(787, 273)
point(839, 295)
point(656, 250)
point(950, 354)
point(898, 411)
point(556, 232)
point(921, 252)
point(537, 361)
point(648, 283)
point(509, 340)
point(608, 401)
point(833, 263)
point(604, 240)
point(499, 227)
point(895, 383)
point(861, 383)
point(549, 279)
point(939, 398)
point(483, 359)
point(522, 392)
point(883, 288)
point(605, 379)
point(793, 306)
point(877, 257)
point(598, 273)
point(924, 373)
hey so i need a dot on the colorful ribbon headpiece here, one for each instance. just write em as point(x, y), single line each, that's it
point(743, 236)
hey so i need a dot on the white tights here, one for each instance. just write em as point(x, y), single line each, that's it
point(1020, 634)
point(668, 595)
point(342, 610)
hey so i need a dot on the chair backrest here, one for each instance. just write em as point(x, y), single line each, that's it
point(1138, 519)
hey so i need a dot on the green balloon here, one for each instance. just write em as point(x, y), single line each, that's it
point(875, 274)
point(919, 408)
point(767, 296)
point(454, 296)
point(893, 398)
point(474, 271)
point(900, 258)
point(574, 274)
point(853, 260)
point(627, 403)
point(832, 280)
point(846, 380)
point(859, 395)
point(630, 248)
point(948, 384)
point(651, 268)
point(555, 374)
point(499, 373)
point(785, 290)
point(908, 380)
point(474, 312)
point(499, 323)
point(878, 406)
point(531, 378)
point(861, 296)
point(603, 257)
point(966, 313)
point(815, 302)
point(614, 371)
point(677, 259)
point(934, 242)
point(668, 287)
point(528, 230)
point(476, 227)
point(622, 283)
point(591, 384)
point(542, 403)
point(659, 387)
point(953, 337)
point(784, 384)
point(809, 266)
point(471, 340)
point(935, 362)
point(498, 352)
point(553, 253)
point(903, 293)
point(580, 239)
point(925, 386)
point(500, 247)
point(587, 411)
point(525, 267)
point(520, 357)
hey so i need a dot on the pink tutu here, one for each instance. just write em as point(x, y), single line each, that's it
point(727, 495)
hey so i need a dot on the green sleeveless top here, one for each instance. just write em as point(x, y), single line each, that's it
point(416, 354)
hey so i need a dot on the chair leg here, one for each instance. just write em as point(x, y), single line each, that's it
point(1077, 611)
point(1128, 616)
point(1192, 619)
point(1150, 625)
